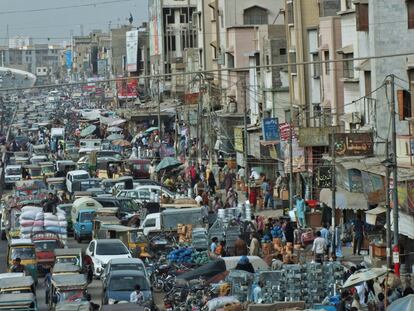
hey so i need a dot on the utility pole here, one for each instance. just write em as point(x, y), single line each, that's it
point(199, 120)
point(245, 151)
point(291, 192)
point(387, 207)
point(396, 251)
point(333, 190)
point(159, 107)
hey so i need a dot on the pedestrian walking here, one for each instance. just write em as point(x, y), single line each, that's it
point(319, 247)
point(359, 229)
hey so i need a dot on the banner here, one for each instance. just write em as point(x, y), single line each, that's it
point(298, 153)
point(270, 128)
point(132, 50)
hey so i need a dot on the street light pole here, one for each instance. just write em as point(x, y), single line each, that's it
point(333, 190)
point(396, 250)
point(387, 207)
point(290, 160)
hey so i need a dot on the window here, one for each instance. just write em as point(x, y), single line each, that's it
point(348, 66)
point(230, 60)
point(292, 59)
point(255, 16)
point(327, 65)
point(404, 104)
point(290, 15)
point(168, 16)
point(348, 4)
point(410, 13)
point(316, 66)
point(150, 223)
point(282, 51)
point(91, 247)
point(362, 16)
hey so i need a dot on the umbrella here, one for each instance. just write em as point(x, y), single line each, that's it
point(114, 129)
point(115, 122)
point(121, 143)
point(88, 130)
point(115, 137)
point(151, 129)
point(364, 275)
point(168, 163)
point(403, 304)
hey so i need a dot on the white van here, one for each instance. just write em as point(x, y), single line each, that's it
point(75, 175)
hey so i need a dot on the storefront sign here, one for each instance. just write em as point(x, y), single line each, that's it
point(373, 187)
point(254, 145)
point(324, 177)
point(270, 127)
point(238, 139)
point(353, 144)
point(314, 136)
point(298, 154)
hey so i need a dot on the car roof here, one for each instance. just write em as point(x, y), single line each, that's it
point(15, 242)
point(125, 261)
point(128, 273)
point(13, 166)
point(108, 241)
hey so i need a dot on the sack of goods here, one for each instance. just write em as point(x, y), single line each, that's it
point(34, 220)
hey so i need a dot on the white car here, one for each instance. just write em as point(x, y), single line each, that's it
point(102, 250)
point(146, 193)
point(75, 175)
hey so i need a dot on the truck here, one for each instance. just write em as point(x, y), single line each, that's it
point(82, 213)
point(168, 220)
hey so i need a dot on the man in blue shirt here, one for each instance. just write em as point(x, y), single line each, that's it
point(300, 211)
point(326, 234)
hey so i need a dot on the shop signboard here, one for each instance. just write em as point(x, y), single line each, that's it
point(353, 144)
point(373, 187)
point(298, 154)
point(102, 67)
point(270, 127)
point(132, 50)
point(324, 176)
point(254, 145)
point(238, 139)
point(314, 136)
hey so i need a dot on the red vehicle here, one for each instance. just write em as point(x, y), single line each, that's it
point(45, 245)
point(139, 168)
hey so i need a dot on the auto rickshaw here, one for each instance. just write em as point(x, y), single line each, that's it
point(71, 256)
point(26, 251)
point(34, 170)
point(21, 302)
point(57, 184)
point(48, 169)
point(41, 149)
point(136, 241)
point(139, 168)
point(67, 288)
point(11, 221)
point(65, 268)
point(104, 216)
point(17, 285)
point(73, 306)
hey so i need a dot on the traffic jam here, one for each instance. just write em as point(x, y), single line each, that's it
point(84, 212)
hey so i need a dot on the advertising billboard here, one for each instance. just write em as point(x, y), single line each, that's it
point(155, 27)
point(132, 50)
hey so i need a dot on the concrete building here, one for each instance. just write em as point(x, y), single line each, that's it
point(42, 60)
point(172, 31)
point(118, 50)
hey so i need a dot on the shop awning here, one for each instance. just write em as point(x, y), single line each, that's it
point(372, 214)
point(344, 199)
point(405, 225)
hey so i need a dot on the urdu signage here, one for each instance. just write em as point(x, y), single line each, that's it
point(353, 144)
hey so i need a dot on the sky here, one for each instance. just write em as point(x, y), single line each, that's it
point(41, 19)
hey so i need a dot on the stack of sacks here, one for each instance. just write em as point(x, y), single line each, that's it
point(34, 220)
point(27, 220)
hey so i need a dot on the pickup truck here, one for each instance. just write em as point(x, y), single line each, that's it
point(168, 220)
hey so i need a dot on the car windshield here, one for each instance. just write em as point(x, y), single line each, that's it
point(129, 206)
point(127, 266)
point(45, 246)
point(71, 296)
point(137, 238)
point(57, 186)
point(35, 172)
point(112, 248)
point(81, 176)
point(23, 253)
point(87, 216)
point(13, 171)
point(127, 283)
point(47, 169)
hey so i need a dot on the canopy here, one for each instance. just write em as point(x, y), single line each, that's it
point(206, 271)
point(168, 163)
point(403, 304)
point(151, 129)
point(364, 275)
point(88, 130)
point(114, 129)
point(121, 143)
point(115, 137)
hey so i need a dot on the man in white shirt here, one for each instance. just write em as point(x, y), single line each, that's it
point(319, 247)
point(254, 175)
point(137, 296)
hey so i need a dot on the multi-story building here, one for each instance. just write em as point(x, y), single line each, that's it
point(43, 60)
